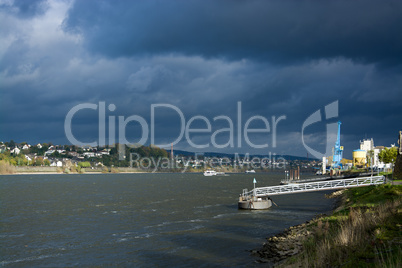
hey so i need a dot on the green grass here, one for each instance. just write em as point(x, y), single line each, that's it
point(364, 232)
point(372, 195)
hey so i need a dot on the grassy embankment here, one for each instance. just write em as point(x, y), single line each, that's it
point(365, 231)
point(6, 167)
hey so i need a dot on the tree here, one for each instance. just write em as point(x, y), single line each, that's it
point(370, 155)
point(11, 144)
point(55, 154)
point(84, 164)
point(38, 161)
point(388, 155)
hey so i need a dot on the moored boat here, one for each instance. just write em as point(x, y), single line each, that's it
point(209, 172)
point(249, 200)
point(255, 203)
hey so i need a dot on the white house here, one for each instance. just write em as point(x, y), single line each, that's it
point(39, 145)
point(49, 152)
point(105, 151)
point(26, 147)
point(89, 154)
point(15, 151)
point(56, 164)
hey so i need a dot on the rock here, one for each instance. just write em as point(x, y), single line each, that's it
point(281, 253)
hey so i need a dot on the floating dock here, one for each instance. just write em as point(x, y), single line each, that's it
point(258, 198)
point(250, 201)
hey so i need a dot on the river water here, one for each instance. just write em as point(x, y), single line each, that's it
point(141, 220)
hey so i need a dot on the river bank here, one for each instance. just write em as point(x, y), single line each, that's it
point(364, 230)
point(41, 170)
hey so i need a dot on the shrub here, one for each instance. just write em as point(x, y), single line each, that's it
point(105, 170)
point(85, 164)
point(114, 170)
point(6, 168)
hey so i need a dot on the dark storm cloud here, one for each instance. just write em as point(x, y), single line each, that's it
point(279, 31)
point(277, 58)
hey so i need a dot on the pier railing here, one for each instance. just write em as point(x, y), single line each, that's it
point(316, 186)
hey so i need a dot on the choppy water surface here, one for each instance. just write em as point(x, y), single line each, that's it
point(140, 219)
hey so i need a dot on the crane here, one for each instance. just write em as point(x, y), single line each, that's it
point(338, 150)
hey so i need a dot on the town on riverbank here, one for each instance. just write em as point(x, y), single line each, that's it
point(49, 158)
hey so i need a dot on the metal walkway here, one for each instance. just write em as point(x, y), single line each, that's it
point(314, 186)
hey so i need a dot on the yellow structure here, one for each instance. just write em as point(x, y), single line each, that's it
point(345, 161)
point(359, 158)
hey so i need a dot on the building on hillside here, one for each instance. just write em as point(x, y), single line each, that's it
point(49, 152)
point(56, 163)
point(105, 151)
point(89, 154)
point(362, 155)
point(26, 147)
point(15, 151)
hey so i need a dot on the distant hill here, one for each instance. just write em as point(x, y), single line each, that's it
point(214, 154)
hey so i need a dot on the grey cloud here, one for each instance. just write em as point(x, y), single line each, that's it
point(278, 31)
point(26, 8)
point(276, 57)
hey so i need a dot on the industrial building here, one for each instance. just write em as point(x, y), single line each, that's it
point(360, 156)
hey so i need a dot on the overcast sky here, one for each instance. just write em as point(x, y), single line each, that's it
point(202, 60)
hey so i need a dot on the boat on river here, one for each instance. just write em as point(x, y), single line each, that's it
point(210, 172)
point(255, 203)
point(248, 200)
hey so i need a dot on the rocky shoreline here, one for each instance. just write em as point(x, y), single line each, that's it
point(289, 242)
point(283, 245)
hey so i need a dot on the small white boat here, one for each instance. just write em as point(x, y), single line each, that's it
point(250, 171)
point(210, 172)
